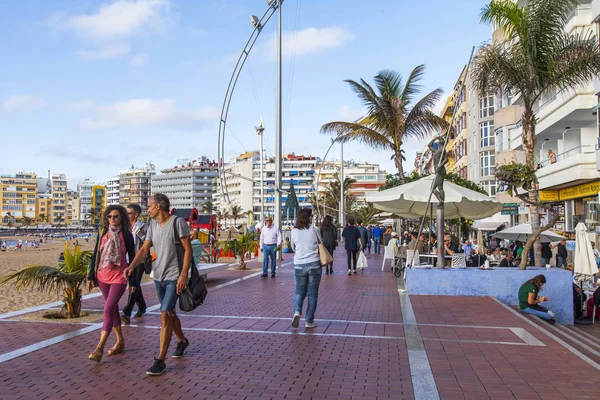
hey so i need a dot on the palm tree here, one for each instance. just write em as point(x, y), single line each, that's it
point(247, 242)
point(207, 207)
point(236, 213)
point(26, 221)
point(366, 214)
point(537, 57)
point(332, 197)
point(42, 218)
point(391, 116)
point(68, 276)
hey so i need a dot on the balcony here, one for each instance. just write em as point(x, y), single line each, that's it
point(579, 17)
point(571, 166)
point(571, 107)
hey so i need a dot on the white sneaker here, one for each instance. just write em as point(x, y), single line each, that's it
point(353, 271)
point(296, 320)
point(551, 314)
point(349, 272)
point(309, 325)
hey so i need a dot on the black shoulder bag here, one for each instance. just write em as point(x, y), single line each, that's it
point(195, 292)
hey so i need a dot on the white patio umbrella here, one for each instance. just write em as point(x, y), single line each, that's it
point(585, 261)
point(523, 231)
point(480, 246)
point(410, 200)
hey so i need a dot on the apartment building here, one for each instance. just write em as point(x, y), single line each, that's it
point(18, 197)
point(368, 177)
point(73, 208)
point(566, 123)
point(98, 204)
point(58, 189)
point(460, 128)
point(112, 191)
point(238, 182)
point(84, 189)
point(43, 207)
point(188, 185)
point(135, 186)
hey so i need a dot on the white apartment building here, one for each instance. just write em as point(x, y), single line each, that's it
point(369, 178)
point(112, 191)
point(567, 125)
point(238, 181)
point(84, 189)
point(188, 185)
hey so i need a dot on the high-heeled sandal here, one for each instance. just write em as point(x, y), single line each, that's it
point(96, 354)
point(117, 349)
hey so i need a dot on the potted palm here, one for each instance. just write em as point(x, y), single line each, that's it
point(69, 276)
point(239, 246)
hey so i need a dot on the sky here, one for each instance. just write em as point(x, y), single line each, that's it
point(90, 88)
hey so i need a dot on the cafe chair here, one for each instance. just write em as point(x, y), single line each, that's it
point(388, 254)
point(458, 261)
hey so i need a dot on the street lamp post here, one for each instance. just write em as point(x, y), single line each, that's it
point(342, 200)
point(278, 134)
point(259, 130)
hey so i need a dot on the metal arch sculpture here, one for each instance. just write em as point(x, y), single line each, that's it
point(258, 26)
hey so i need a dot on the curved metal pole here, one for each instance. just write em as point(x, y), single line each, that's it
point(229, 94)
point(333, 141)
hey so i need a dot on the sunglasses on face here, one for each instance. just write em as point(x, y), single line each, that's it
point(113, 216)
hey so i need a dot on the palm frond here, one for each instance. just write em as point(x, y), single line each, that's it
point(366, 94)
point(388, 82)
point(346, 131)
point(421, 120)
point(504, 14)
point(411, 87)
point(44, 278)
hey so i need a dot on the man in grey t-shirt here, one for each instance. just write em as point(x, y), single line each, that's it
point(168, 279)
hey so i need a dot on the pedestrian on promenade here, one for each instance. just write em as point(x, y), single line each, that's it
point(377, 234)
point(370, 237)
point(170, 278)
point(561, 254)
point(109, 260)
point(364, 234)
point(352, 244)
point(139, 230)
point(270, 240)
point(329, 235)
point(529, 302)
point(307, 267)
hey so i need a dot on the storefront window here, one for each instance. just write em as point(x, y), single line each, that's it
point(592, 213)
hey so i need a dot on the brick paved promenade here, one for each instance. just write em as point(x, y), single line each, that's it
point(372, 342)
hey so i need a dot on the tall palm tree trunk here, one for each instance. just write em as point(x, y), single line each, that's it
point(398, 161)
point(528, 137)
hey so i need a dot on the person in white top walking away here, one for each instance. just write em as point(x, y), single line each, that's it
point(270, 240)
point(307, 267)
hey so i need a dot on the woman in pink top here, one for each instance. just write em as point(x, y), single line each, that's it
point(113, 245)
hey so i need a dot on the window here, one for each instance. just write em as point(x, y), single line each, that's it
point(486, 131)
point(488, 161)
point(486, 106)
point(490, 187)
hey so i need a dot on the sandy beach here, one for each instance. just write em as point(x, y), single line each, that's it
point(14, 260)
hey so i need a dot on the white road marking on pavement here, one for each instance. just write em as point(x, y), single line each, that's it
point(527, 337)
point(548, 333)
point(48, 342)
point(424, 386)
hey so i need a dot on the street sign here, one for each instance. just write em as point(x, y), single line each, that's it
point(510, 209)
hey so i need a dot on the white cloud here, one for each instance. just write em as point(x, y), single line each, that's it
point(138, 59)
point(310, 40)
point(105, 53)
point(23, 102)
point(118, 20)
point(145, 112)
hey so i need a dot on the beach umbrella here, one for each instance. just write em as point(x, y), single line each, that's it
point(523, 231)
point(480, 246)
point(410, 200)
point(585, 261)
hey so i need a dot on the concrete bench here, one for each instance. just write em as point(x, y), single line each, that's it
point(205, 269)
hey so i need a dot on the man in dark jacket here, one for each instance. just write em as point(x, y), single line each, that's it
point(546, 253)
point(364, 234)
point(561, 254)
point(352, 244)
point(139, 230)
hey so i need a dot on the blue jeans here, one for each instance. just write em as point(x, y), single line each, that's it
point(561, 262)
point(268, 252)
point(167, 295)
point(308, 278)
point(377, 242)
point(542, 314)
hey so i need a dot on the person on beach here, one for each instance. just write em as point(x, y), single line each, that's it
point(529, 301)
point(138, 230)
point(329, 235)
point(170, 278)
point(307, 267)
point(109, 260)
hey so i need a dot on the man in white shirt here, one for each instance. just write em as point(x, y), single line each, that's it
point(270, 240)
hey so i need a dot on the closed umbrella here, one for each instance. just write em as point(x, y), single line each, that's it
point(480, 246)
point(410, 200)
point(585, 262)
point(523, 231)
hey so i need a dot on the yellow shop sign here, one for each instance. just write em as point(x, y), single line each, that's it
point(589, 189)
point(548, 195)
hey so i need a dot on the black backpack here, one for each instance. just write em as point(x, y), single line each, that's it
point(196, 291)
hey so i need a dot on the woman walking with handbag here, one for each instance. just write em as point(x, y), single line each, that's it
point(329, 235)
point(307, 267)
point(109, 260)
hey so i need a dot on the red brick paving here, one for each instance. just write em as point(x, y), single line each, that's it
point(275, 364)
point(16, 335)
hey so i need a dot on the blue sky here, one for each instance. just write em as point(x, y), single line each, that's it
point(88, 88)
